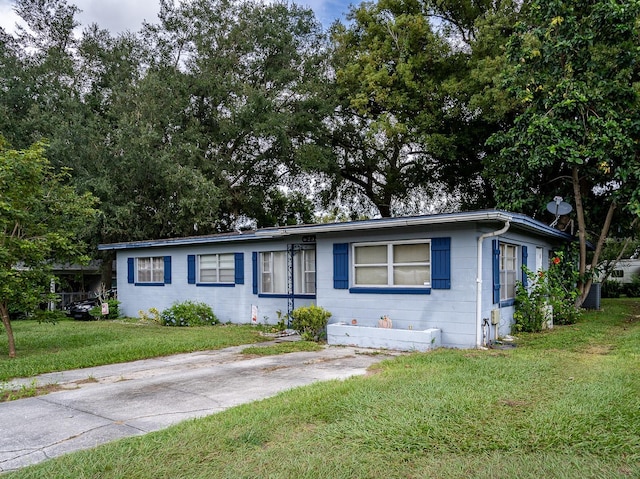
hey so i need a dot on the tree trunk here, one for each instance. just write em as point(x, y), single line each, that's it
point(106, 269)
point(584, 282)
point(596, 254)
point(385, 210)
point(6, 321)
point(582, 234)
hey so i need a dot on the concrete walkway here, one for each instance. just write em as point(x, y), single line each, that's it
point(105, 403)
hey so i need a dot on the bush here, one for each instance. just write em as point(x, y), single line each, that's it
point(310, 322)
point(50, 316)
point(555, 287)
point(114, 312)
point(188, 313)
point(530, 305)
point(611, 289)
point(632, 290)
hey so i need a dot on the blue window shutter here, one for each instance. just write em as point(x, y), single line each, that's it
point(254, 268)
point(239, 257)
point(191, 269)
point(525, 257)
point(167, 270)
point(496, 270)
point(341, 266)
point(441, 263)
point(131, 270)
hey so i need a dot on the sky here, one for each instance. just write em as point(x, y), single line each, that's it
point(121, 15)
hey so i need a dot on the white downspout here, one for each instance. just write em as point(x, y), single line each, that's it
point(481, 239)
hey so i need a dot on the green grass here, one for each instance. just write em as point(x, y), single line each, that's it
point(282, 348)
point(46, 347)
point(563, 404)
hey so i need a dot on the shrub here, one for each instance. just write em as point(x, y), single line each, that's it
point(49, 316)
point(188, 313)
point(310, 322)
point(114, 311)
point(632, 290)
point(555, 287)
point(530, 305)
point(611, 289)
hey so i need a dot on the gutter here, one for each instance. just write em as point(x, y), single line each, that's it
point(481, 239)
point(491, 215)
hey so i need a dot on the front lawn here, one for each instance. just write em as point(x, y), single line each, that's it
point(563, 404)
point(68, 344)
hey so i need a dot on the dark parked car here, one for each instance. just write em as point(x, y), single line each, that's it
point(80, 309)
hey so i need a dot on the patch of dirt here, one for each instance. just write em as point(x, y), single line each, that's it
point(33, 391)
point(29, 392)
point(512, 403)
point(633, 318)
point(89, 380)
point(599, 349)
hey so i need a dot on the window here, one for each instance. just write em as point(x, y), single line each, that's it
point(216, 268)
point(305, 281)
point(508, 271)
point(273, 272)
point(150, 270)
point(617, 273)
point(398, 264)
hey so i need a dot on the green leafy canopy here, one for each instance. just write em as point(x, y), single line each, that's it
point(41, 220)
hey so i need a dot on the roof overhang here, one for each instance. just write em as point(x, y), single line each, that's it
point(489, 217)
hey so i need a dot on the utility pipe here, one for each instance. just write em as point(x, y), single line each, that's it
point(481, 239)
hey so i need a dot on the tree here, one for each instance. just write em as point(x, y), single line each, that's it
point(41, 217)
point(402, 130)
point(252, 70)
point(573, 67)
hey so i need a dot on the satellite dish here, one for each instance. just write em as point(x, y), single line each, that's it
point(558, 208)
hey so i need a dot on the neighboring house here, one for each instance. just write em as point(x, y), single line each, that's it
point(77, 282)
point(452, 272)
point(625, 270)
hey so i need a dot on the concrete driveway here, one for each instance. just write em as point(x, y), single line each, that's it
point(105, 403)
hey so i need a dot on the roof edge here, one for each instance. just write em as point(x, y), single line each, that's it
point(516, 219)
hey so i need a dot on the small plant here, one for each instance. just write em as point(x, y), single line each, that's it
point(310, 322)
point(153, 316)
point(188, 313)
point(25, 391)
point(281, 325)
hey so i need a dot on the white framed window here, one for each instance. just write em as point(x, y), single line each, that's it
point(216, 268)
point(273, 272)
point(401, 264)
point(508, 271)
point(304, 271)
point(150, 269)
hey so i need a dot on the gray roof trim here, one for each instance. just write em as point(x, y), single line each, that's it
point(518, 221)
point(188, 240)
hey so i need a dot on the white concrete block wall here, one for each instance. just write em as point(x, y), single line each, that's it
point(451, 311)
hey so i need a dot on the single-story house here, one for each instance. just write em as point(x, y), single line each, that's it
point(452, 275)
